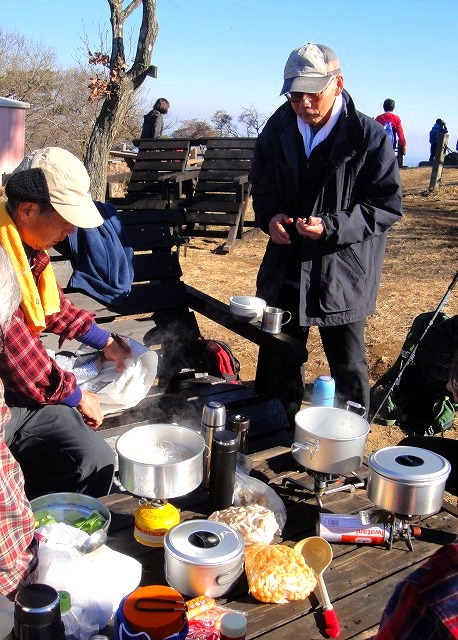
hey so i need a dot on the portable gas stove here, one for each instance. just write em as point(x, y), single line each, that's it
point(369, 526)
point(327, 483)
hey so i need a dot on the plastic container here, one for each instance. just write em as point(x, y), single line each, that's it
point(146, 611)
point(324, 389)
point(233, 626)
point(71, 624)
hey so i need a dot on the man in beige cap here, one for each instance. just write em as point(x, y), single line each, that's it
point(326, 189)
point(52, 427)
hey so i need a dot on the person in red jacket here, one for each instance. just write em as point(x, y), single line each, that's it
point(389, 116)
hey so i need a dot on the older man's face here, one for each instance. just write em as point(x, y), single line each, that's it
point(315, 108)
point(41, 229)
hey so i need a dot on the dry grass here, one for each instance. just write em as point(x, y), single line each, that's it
point(419, 266)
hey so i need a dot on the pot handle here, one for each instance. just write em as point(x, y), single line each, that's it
point(225, 578)
point(355, 406)
point(296, 446)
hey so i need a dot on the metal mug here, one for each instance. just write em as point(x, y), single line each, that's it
point(272, 319)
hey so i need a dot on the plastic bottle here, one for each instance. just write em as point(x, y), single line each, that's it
point(233, 626)
point(71, 624)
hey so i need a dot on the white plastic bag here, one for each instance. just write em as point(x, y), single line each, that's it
point(116, 390)
point(250, 490)
point(96, 581)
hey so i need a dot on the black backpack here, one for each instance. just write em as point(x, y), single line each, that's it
point(414, 404)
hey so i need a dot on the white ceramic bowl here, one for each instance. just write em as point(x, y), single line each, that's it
point(246, 308)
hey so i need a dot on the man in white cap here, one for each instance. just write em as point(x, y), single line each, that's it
point(326, 189)
point(51, 432)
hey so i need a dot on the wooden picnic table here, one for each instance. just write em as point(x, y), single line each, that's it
point(360, 578)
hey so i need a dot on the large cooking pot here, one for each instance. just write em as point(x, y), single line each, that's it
point(407, 480)
point(203, 557)
point(160, 461)
point(329, 440)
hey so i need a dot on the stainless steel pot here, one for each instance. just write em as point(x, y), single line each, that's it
point(203, 557)
point(407, 480)
point(329, 440)
point(160, 460)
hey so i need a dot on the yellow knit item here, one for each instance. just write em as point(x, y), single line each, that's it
point(37, 301)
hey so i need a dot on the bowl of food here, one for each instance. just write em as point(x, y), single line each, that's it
point(246, 308)
point(76, 510)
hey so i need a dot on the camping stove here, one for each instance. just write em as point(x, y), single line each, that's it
point(327, 483)
point(370, 526)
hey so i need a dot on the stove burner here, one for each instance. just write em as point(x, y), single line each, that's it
point(400, 527)
point(326, 483)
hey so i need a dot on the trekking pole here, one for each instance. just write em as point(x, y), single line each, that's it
point(415, 346)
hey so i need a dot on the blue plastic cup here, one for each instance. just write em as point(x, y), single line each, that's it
point(324, 389)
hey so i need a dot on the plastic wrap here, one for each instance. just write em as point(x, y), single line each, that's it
point(254, 522)
point(250, 491)
point(277, 573)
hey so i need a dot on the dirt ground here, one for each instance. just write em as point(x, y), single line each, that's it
point(420, 263)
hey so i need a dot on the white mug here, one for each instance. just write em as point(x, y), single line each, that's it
point(272, 319)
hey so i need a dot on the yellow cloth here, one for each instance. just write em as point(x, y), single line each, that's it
point(37, 301)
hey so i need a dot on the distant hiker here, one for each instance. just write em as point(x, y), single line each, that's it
point(153, 121)
point(392, 123)
point(438, 128)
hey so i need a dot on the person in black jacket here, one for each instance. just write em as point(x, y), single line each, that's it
point(153, 121)
point(326, 189)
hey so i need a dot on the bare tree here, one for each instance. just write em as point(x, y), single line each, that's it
point(253, 119)
point(194, 129)
point(117, 91)
point(223, 124)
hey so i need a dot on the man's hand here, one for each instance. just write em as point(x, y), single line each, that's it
point(117, 350)
point(90, 409)
point(277, 230)
point(311, 227)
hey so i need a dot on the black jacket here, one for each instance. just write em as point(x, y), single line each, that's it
point(359, 198)
point(153, 125)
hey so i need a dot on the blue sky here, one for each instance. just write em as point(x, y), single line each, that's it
point(230, 54)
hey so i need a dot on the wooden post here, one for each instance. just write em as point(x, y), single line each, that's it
point(438, 162)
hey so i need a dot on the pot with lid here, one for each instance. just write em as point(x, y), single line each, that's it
point(203, 557)
point(407, 481)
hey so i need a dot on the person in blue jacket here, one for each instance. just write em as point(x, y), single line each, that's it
point(326, 189)
point(438, 127)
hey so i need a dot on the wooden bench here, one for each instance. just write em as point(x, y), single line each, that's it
point(158, 313)
point(218, 204)
point(154, 160)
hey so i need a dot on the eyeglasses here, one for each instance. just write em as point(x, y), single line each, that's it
point(297, 96)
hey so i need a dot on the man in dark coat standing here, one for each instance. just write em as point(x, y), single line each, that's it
point(326, 189)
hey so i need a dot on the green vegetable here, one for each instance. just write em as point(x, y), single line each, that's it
point(92, 523)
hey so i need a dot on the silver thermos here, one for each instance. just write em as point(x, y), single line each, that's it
point(213, 420)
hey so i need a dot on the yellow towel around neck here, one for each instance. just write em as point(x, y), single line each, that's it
point(37, 301)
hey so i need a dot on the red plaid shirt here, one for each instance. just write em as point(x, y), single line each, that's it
point(18, 547)
point(424, 606)
point(29, 374)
